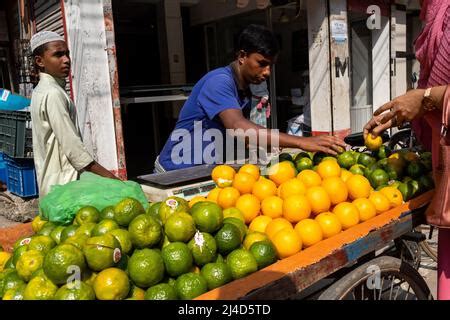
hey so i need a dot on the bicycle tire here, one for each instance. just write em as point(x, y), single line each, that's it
point(426, 247)
point(359, 277)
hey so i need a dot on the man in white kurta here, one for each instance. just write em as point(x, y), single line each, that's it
point(59, 153)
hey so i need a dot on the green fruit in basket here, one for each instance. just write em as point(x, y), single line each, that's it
point(75, 291)
point(107, 213)
point(153, 210)
point(102, 252)
point(126, 210)
point(87, 214)
point(68, 232)
point(303, 164)
point(46, 229)
point(103, 227)
point(239, 224)
point(415, 169)
point(264, 253)
point(124, 239)
point(145, 231)
point(346, 159)
point(180, 227)
point(28, 263)
point(241, 263)
point(406, 190)
point(41, 243)
point(378, 177)
point(384, 152)
point(177, 258)
point(357, 169)
point(56, 234)
point(301, 155)
point(426, 183)
point(146, 267)
point(86, 229)
point(203, 248)
point(40, 288)
point(162, 291)
point(190, 285)
point(208, 216)
point(228, 238)
point(170, 206)
point(216, 274)
point(62, 259)
point(15, 293)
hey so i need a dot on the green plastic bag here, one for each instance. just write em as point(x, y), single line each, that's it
point(63, 201)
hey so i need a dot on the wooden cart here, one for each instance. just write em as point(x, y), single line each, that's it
point(350, 265)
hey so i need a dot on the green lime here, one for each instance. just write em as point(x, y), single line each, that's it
point(346, 159)
point(264, 253)
point(124, 238)
point(300, 155)
point(233, 213)
point(162, 291)
point(15, 293)
point(180, 226)
point(107, 213)
point(46, 229)
point(11, 280)
point(406, 190)
point(86, 229)
point(170, 206)
point(208, 216)
point(126, 210)
point(228, 238)
point(203, 247)
point(77, 241)
point(146, 267)
point(28, 263)
point(253, 237)
point(366, 160)
point(216, 274)
point(378, 177)
point(190, 285)
point(415, 169)
point(68, 232)
point(40, 288)
point(145, 231)
point(102, 252)
point(111, 284)
point(103, 227)
point(153, 210)
point(426, 183)
point(87, 214)
point(63, 261)
point(241, 263)
point(56, 234)
point(41, 243)
point(357, 169)
point(384, 152)
point(303, 164)
point(285, 157)
point(318, 156)
point(177, 258)
point(239, 224)
point(425, 155)
point(77, 290)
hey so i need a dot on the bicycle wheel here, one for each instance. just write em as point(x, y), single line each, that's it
point(402, 140)
point(429, 245)
point(382, 278)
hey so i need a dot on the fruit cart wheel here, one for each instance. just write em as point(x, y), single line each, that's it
point(382, 278)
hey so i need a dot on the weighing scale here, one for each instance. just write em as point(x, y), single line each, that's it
point(185, 183)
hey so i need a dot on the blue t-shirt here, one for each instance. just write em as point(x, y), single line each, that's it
point(215, 92)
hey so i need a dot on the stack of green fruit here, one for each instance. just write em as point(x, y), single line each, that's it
point(170, 251)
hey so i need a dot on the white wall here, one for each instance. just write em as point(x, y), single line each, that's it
point(91, 78)
point(380, 62)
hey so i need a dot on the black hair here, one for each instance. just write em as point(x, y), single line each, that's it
point(258, 39)
point(39, 51)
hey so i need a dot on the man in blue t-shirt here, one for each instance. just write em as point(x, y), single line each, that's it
point(217, 102)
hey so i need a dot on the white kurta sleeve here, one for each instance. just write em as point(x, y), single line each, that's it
point(57, 109)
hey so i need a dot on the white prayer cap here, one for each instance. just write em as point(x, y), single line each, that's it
point(44, 37)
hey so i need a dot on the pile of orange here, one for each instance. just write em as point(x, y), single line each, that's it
point(297, 210)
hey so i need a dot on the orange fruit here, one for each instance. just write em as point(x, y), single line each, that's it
point(196, 199)
point(249, 205)
point(372, 142)
point(272, 207)
point(259, 224)
point(380, 201)
point(282, 172)
point(287, 242)
point(227, 197)
point(310, 178)
point(394, 196)
point(347, 213)
point(264, 188)
point(291, 187)
point(243, 182)
point(251, 169)
point(328, 169)
point(329, 223)
point(358, 187)
point(223, 175)
point(309, 231)
point(296, 208)
point(276, 225)
point(366, 209)
point(345, 175)
point(318, 199)
point(213, 194)
point(336, 189)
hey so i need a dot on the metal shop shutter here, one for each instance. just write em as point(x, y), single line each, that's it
point(48, 16)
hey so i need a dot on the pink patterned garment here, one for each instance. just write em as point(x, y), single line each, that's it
point(433, 52)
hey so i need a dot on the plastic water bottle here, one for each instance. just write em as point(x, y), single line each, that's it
point(12, 101)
